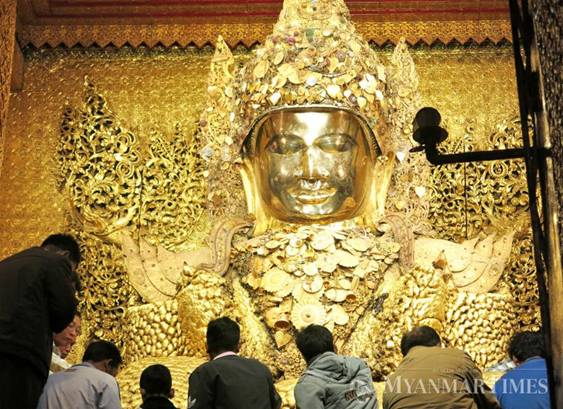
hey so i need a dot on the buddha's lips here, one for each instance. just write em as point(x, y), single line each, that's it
point(312, 196)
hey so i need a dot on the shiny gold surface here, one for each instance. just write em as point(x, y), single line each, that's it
point(149, 90)
point(7, 43)
point(313, 164)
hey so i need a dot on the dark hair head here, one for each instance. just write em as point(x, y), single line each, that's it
point(526, 344)
point(64, 242)
point(156, 380)
point(223, 334)
point(419, 336)
point(99, 351)
point(314, 340)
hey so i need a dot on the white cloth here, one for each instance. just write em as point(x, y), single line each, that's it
point(81, 386)
point(58, 364)
point(228, 353)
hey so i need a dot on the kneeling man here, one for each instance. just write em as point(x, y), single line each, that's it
point(433, 377)
point(331, 381)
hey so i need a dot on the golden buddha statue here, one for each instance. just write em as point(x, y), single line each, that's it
point(320, 214)
point(312, 129)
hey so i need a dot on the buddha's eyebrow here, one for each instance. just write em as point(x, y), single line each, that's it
point(286, 135)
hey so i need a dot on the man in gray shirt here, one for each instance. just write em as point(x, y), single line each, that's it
point(89, 385)
point(331, 381)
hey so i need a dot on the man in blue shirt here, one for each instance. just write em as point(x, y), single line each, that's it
point(526, 386)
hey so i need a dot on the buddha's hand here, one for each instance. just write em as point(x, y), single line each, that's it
point(475, 265)
point(156, 273)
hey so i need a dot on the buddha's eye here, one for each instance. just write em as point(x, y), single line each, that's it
point(285, 144)
point(335, 143)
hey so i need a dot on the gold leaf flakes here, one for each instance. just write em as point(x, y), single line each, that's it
point(359, 244)
point(355, 46)
point(272, 244)
point(253, 281)
point(290, 267)
point(275, 98)
point(361, 269)
point(344, 79)
point(335, 295)
point(322, 240)
point(338, 235)
point(287, 289)
point(295, 242)
point(261, 69)
point(279, 81)
point(381, 72)
point(332, 64)
point(368, 84)
point(262, 251)
point(291, 72)
point(286, 305)
point(276, 280)
point(313, 286)
point(327, 263)
point(271, 315)
point(303, 315)
point(278, 58)
point(355, 283)
point(282, 338)
point(333, 91)
point(346, 259)
point(311, 80)
point(338, 315)
point(345, 284)
point(384, 227)
point(311, 269)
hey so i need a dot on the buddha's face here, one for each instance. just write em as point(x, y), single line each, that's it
point(312, 166)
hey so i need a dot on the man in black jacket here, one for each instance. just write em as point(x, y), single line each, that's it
point(229, 381)
point(37, 299)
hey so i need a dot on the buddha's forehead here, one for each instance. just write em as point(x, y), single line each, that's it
point(301, 123)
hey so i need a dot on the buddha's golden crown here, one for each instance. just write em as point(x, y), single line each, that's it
point(314, 56)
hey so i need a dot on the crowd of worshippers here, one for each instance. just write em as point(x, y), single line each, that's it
point(39, 325)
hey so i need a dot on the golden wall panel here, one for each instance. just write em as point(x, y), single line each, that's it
point(250, 33)
point(7, 42)
point(146, 90)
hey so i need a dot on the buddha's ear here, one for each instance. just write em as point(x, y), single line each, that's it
point(252, 195)
point(380, 183)
point(382, 178)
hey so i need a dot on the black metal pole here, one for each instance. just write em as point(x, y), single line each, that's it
point(522, 31)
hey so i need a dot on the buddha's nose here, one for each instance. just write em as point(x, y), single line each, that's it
point(311, 164)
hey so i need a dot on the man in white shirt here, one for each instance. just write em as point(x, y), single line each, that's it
point(63, 343)
point(89, 385)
